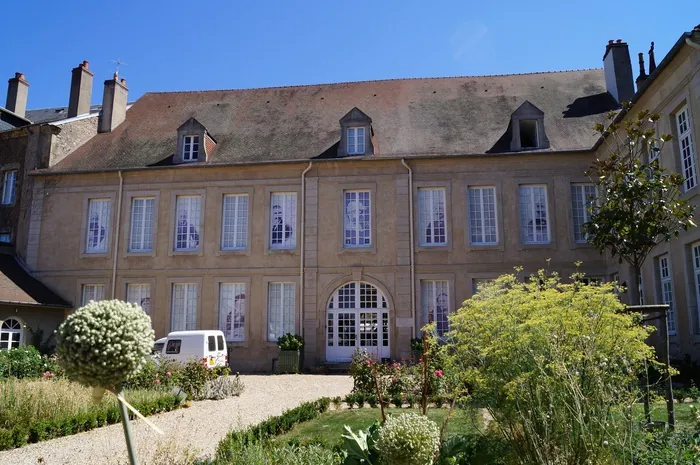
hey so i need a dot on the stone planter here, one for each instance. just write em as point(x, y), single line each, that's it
point(288, 361)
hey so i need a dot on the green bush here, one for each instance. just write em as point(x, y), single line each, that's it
point(290, 342)
point(409, 439)
point(556, 364)
point(361, 371)
point(22, 362)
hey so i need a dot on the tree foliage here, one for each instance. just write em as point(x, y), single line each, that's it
point(555, 364)
point(639, 203)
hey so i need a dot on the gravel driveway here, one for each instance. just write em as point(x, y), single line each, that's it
point(198, 428)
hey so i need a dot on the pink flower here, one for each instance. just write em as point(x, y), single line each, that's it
point(157, 381)
point(394, 379)
point(420, 360)
point(368, 362)
point(438, 373)
point(47, 374)
point(167, 373)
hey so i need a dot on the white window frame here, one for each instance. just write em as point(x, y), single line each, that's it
point(581, 201)
point(192, 211)
point(10, 329)
point(686, 147)
point(667, 293)
point(140, 294)
point(187, 306)
point(477, 213)
point(287, 202)
point(9, 187)
point(532, 210)
point(188, 151)
point(142, 219)
point(92, 292)
point(101, 208)
point(232, 310)
point(283, 310)
point(353, 228)
point(234, 222)
point(430, 289)
point(428, 215)
point(354, 134)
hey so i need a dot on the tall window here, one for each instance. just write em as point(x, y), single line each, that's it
point(232, 302)
point(234, 222)
point(94, 292)
point(534, 223)
point(582, 198)
point(696, 272)
point(139, 294)
point(9, 184)
point(431, 217)
point(184, 310)
point(280, 310)
point(141, 237)
point(357, 219)
point(283, 220)
point(356, 141)
point(191, 148)
point(10, 334)
point(667, 291)
point(435, 304)
point(687, 149)
point(98, 225)
point(482, 216)
point(6, 235)
point(187, 227)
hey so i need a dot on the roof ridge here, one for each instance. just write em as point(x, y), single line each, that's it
point(295, 86)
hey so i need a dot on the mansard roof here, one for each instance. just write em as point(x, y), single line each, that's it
point(410, 117)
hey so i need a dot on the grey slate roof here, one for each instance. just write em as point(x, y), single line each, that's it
point(18, 286)
point(410, 117)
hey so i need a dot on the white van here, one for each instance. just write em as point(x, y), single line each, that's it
point(208, 346)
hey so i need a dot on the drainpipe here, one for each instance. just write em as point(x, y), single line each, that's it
point(116, 234)
point(410, 235)
point(303, 242)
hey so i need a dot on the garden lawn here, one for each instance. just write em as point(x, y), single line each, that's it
point(329, 426)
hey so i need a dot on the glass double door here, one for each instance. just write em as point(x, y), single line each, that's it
point(350, 329)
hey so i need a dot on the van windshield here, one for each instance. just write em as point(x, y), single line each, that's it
point(212, 343)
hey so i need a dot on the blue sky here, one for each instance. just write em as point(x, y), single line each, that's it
point(186, 45)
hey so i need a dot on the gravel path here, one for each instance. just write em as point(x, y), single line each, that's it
point(197, 429)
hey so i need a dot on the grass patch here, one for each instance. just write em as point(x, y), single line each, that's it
point(328, 427)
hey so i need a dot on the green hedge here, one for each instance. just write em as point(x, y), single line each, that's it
point(273, 426)
point(42, 430)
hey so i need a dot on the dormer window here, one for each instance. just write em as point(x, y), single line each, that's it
point(527, 128)
point(190, 150)
point(528, 134)
point(356, 141)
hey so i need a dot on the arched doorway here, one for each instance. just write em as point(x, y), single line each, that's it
point(10, 333)
point(357, 318)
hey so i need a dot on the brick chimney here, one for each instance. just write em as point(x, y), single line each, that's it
point(80, 90)
point(113, 104)
point(619, 79)
point(17, 90)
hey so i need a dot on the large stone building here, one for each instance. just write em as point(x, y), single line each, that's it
point(349, 213)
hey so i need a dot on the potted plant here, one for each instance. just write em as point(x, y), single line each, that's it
point(290, 347)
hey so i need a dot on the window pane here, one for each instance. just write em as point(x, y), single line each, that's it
point(141, 238)
point(435, 305)
point(92, 292)
point(685, 143)
point(98, 225)
point(234, 231)
point(184, 307)
point(357, 219)
point(482, 215)
point(667, 296)
point(187, 227)
point(582, 198)
point(431, 217)
point(281, 310)
point(533, 215)
point(8, 187)
point(232, 308)
point(283, 220)
point(139, 294)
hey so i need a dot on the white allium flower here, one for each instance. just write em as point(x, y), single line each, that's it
point(103, 343)
point(409, 439)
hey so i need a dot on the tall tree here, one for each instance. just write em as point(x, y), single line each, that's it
point(639, 204)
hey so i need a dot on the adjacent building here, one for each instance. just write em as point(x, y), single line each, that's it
point(348, 213)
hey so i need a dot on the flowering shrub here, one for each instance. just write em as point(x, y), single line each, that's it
point(21, 362)
point(409, 439)
point(103, 343)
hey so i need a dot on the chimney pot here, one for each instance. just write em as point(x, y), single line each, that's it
point(123, 81)
point(619, 79)
point(80, 90)
point(610, 42)
point(17, 90)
